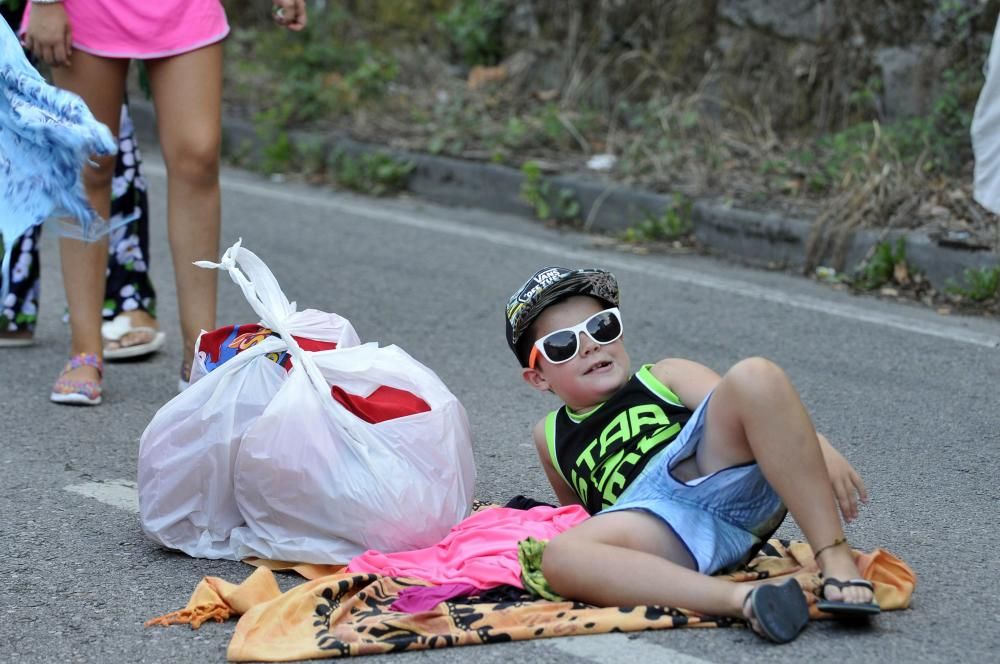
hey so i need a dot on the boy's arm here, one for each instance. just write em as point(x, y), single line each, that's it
point(563, 491)
point(690, 381)
point(847, 484)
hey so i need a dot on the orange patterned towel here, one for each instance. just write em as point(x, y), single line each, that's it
point(216, 599)
point(349, 614)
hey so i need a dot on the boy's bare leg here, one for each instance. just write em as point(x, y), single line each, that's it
point(755, 413)
point(632, 558)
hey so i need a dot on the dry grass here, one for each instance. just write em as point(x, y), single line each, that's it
point(669, 132)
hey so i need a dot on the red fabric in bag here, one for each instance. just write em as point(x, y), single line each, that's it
point(314, 344)
point(385, 403)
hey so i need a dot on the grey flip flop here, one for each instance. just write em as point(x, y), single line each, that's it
point(848, 609)
point(781, 610)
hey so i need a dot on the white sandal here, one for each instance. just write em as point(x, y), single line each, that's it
point(115, 330)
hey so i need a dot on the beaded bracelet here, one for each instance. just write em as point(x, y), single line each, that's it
point(836, 542)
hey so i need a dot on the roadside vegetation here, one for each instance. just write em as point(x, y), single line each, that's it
point(465, 78)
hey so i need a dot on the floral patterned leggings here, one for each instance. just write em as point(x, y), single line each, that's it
point(128, 284)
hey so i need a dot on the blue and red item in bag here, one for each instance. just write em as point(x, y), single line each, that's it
point(219, 346)
point(385, 403)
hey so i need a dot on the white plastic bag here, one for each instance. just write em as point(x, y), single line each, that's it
point(985, 132)
point(253, 461)
point(187, 454)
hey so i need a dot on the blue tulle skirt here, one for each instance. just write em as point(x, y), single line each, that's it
point(46, 136)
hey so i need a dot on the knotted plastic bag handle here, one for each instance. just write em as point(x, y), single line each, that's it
point(268, 301)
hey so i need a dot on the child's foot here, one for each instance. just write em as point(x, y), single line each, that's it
point(80, 381)
point(844, 591)
point(776, 611)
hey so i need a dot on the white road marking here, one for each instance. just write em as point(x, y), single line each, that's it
point(122, 494)
point(927, 327)
point(614, 647)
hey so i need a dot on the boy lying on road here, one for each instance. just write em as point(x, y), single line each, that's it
point(687, 473)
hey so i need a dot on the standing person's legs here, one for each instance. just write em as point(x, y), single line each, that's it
point(187, 92)
point(101, 84)
point(129, 290)
point(19, 310)
point(755, 414)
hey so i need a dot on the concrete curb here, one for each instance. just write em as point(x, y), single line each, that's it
point(760, 239)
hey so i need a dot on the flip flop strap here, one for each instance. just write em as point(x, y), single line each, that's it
point(850, 583)
point(115, 329)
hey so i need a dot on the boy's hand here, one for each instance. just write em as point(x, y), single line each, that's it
point(847, 484)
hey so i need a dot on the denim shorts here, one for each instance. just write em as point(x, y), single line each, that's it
point(722, 518)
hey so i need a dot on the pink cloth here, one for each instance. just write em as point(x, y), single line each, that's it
point(424, 598)
point(142, 29)
point(480, 551)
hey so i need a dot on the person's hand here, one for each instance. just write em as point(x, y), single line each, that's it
point(847, 484)
point(289, 13)
point(49, 37)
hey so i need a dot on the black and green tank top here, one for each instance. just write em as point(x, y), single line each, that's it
point(601, 451)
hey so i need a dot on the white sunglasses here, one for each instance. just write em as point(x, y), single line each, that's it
point(562, 345)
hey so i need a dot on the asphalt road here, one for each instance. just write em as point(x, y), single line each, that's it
point(908, 395)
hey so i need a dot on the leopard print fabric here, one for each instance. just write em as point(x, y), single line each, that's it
point(350, 614)
point(353, 617)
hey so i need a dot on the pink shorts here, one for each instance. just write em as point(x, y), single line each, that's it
point(142, 29)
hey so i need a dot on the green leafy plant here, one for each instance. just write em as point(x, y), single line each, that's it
point(324, 73)
point(374, 173)
point(311, 156)
point(474, 28)
point(277, 154)
point(938, 141)
point(277, 150)
point(514, 133)
point(548, 202)
point(567, 206)
point(552, 127)
point(979, 284)
point(886, 265)
point(671, 224)
point(865, 97)
point(535, 189)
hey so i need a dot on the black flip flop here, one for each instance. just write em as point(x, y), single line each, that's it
point(781, 610)
point(847, 609)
